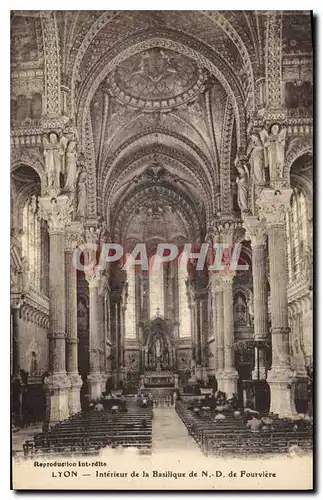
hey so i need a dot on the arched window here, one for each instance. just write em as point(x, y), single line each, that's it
point(184, 311)
point(156, 289)
point(130, 319)
point(297, 234)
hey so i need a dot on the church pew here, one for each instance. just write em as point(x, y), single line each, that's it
point(230, 436)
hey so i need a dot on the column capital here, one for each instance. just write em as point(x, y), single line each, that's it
point(255, 230)
point(74, 236)
point(218, 280)
point(57, 212)
point(227, 229)
point(17, 300)
point(227, 279)
point(93, 280)
point(56, 335)
point(273, 205)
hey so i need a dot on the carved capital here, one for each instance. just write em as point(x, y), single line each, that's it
point(227, 278)
point(57, 212)
point(74, 236)
point(273, 206)
point(255, 230)
point(93, 279)
point(227, 230)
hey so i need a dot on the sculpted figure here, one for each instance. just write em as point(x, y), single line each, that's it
point(53, 153)
point(71, 166)
point(157, 348)
point(256, 155)
point(81, 194)
point(275, 150)
point(243, 186)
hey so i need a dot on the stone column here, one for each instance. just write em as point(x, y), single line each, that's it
point(220, 334)
point(16, 304)
point(230, 374)
point(71, 331)
point(94, 377)
point(16, 335)
point(212, 343)
point(273, 206)
point(101, 328)
point(57, 212)
point(256, 232)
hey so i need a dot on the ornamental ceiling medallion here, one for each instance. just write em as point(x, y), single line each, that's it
point(157, 79)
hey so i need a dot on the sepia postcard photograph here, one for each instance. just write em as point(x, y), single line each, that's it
point(161, 249)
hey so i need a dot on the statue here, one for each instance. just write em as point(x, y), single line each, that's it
point(256, 155)
point(33, 364)
point(274, 150)
point(25, 273)
point(53, 153)
point(71, 167)
point(81, 194)
point(157, 345)
point(243, 186)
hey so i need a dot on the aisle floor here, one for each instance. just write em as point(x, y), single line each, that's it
point(169, 432)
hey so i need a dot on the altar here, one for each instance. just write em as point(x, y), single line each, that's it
point(158, 355)
point(158, 379)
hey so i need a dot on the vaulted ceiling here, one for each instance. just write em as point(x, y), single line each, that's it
point(161, 101)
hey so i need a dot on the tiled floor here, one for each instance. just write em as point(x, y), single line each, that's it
point(169, 432)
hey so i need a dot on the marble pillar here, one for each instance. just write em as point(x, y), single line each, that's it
point(71, 331)
point(57, 213)
point(101, 328)
point(256, 232)
point(94, 377)
point(219, 335)
point(229, 374)
point(16, 304)
point(273, 206)
point(16, 334)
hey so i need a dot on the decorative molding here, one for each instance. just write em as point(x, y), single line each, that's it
point(295, 150)
point(225, 162)
point(52, 65)
point(274, 59)
point(223, 23)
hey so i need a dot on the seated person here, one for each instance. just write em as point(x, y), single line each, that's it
point(233, 402)
point(254, 424)
point(219, 416)
point(123, 403)
point(221, 398)
point(267, 421)
point(144, 402)
point(301, 425)
point(115, 409)
point(98, 406)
